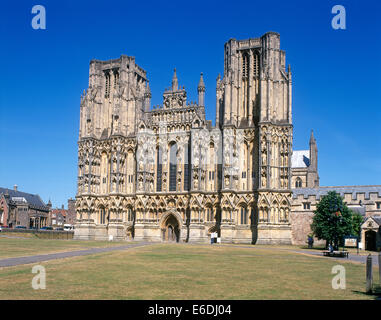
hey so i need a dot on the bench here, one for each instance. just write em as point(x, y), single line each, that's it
point(341, 254)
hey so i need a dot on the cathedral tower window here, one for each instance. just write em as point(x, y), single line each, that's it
point(116, 78)
point(245, 65)
point(209, 214)
point(256, 65)
point(243, 215)
point(298, 183)
point(108, 84)
point(130, 171)
point(159, 169)
point(186, 167)
point(172, 167)
point(102, 216)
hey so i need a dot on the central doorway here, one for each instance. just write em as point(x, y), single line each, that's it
point(170, 229)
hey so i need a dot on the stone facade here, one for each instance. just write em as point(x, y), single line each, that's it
point(166, 174)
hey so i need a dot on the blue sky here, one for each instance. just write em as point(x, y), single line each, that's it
point(336, 76)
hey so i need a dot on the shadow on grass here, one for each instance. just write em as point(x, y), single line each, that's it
point(376, 293)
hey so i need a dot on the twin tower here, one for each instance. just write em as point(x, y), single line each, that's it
point(166, 174)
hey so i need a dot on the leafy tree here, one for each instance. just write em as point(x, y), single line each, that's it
point(332, 219)
point(357, 221)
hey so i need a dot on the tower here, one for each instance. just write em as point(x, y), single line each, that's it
point(201, 91)
point(312, 171)
point(254, 112)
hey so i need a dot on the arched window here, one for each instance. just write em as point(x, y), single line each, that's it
point(209, 214)
point(104, 173)
point(245, 65)
point(298, 183)
point(172, 167)
point(102, 216)
point(130, 171)
point(243, 215)
point(159, 169)
point(186, 167)
point(256, 65)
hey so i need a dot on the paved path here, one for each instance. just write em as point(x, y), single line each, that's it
point(318, 253)
point(10, 262)
point(351, 256)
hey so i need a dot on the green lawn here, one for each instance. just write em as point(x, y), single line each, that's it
point(172, 271)
point(27, 246)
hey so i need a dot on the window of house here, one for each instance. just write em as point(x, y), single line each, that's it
point(306, 206)
point(378, 204)
point(298, 183)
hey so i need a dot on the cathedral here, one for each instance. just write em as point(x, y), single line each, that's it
point(165, 173)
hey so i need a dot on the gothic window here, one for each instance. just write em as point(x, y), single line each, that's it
point(130, 171)
point(108, 84)
point(256, 65)
point(298, 183)
point(102, 216)
point(116, 78)
point(209, 214)
point(104, 172)
point(243, 215)
point(172, 167)
point(159, 169)
point(245, 65)
point(186, 167)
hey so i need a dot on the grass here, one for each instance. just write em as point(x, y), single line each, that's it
point(177, 271)
point(25, 246)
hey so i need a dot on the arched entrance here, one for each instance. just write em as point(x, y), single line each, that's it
point(170, 229)
point(370, 240)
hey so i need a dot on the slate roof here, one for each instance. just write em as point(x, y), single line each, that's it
point(33, 200)
point(321, 191)
point(300, 159)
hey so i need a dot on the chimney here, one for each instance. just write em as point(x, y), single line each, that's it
point(15, 187)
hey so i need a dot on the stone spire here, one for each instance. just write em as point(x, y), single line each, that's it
point(175, 83)
point(201, 92)
point(201, 84)
point(312, 138)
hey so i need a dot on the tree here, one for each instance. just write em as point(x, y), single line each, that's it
point(357, 221)
point(332, 219)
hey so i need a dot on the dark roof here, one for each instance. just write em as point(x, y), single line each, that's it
point(321, 191)
point(358, 209)
point(33, 200)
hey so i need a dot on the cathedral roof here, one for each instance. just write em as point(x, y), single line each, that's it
point(321, 191)
point(300, 159)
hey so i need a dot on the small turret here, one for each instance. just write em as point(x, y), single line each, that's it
point(147, 98)
point(175, 83)
point(313, 176)
point(201, 91)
